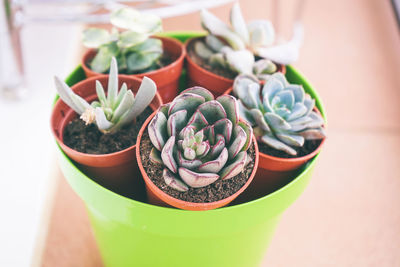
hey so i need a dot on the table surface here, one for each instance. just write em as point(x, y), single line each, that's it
point(349, 215)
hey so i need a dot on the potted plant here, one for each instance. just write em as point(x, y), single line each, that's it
point(194, 153)
point(216, 59)
point(138, 52)
point(287, 125)
point(134, 233)
point(102, 140)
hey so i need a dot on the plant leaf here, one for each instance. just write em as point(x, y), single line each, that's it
point(167, 155)
point(238, 23)
point(101, 121)
point(196, 180)
point(157, 130)
point(235, 167)
point(172, 181)
point(216, 165)
point(216, 27)
point(95, 37)
point(144, 96)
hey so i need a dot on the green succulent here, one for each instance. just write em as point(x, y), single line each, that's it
point(281, 114)
point(199, 139)
point(113, 111)
point(236, 46)
point(133, 48)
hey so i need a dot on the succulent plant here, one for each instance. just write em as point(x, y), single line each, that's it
point(134, 50)
point(113, 111)
point(199, 139)
point(235, 47)
point(281, 114)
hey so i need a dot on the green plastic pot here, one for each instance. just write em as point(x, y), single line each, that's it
point(132, 233)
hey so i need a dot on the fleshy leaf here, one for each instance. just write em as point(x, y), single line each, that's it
point(216, 165)
point(208, 96)
point(241, 61)
point(230, 105)
point(239, 140)
point(167, 155)
point(125, 105)
point(238, 23)
point(95, 37)
point(64, 91)
point(216, 27)
point(198, 119)
point(275, 143)
point(259, 119)
point(276, 122)
point(187, 101)
point(189, 164)
point(235, 167)
point(129, 18)
point(261, 33)
point(224, 127)
point(313, 134)
point(130, 38)
point(155, 156)
point(291, 139)
point(214, 43)
point(101, 94)
point(172, 181)
point(157, 130)
point(202, 50)
point(249, 134)
point(102, 123)
point(212, 111)
point(218, 146)
point(176, 122)
point(144, 96)
point(196, 180)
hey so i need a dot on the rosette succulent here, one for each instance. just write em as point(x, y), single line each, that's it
point(135, 51)
point(113, 111)
point(199, 139)
point(236, 47)
point(281, 114)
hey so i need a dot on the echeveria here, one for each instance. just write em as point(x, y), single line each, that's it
point(199, 139)
point(282, 114)
point(113, 111)
point(133, 47)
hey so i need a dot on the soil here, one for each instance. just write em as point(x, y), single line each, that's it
point(216, 191)
point(88, 139)
point(308, 147)
point(202, 63)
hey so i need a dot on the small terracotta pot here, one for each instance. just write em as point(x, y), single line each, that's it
point(158, 197)
point(116, 171)
point(166, 78)
point(274, 172)
point(198, 76)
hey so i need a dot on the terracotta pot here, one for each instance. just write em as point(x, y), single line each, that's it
point(158, 197)
point(199, 76)
point(166, 78)
point(116, 171)
point(274, 172)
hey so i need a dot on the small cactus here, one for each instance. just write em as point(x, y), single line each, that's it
point(281, 114)
point(133, 48)
point(199, 139)
point(113, 111)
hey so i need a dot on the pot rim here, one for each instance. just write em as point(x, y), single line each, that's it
point(206, 205)
point(88, 54)
point(74, 87)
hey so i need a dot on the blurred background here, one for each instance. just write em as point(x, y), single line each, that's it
point(348, 216)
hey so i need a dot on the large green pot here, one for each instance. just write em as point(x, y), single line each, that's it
point(132, 233)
